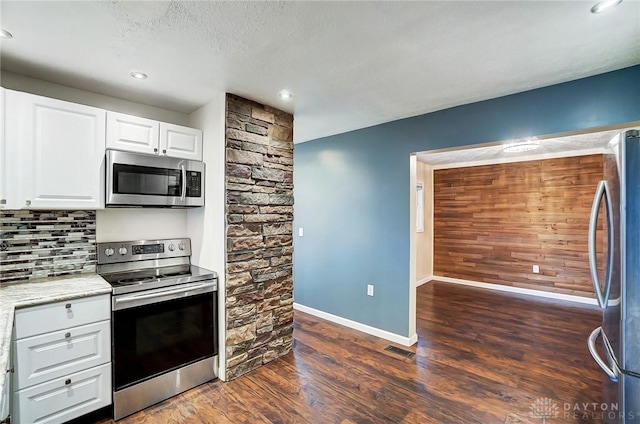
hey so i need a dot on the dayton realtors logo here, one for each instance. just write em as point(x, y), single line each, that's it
point(544, 408)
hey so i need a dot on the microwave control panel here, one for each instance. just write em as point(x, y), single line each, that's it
point(194, 184)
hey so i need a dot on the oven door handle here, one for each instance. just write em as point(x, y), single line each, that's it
point(126, 302)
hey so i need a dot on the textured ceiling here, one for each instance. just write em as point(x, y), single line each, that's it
point(551, 147)
point(349, 64)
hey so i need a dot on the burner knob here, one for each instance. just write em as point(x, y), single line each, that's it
point(172, 247)
point(181, 246)
point(122, 250)
point(109, 251)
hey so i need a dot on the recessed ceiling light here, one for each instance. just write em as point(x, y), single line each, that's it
point(139, 75)
point(285, 94)
point(605, 5)
point(521, 147)
point(5, 34)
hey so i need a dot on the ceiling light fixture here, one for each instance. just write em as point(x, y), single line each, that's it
point(139, 75)
point(521, 147)
point(605, 5)
point(5, 34)
point(285, 94)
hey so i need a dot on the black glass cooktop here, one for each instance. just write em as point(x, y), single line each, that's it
point(145, 279)
point(135, 277)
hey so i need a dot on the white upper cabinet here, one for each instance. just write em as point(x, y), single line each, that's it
point(55, 153)
point(131, 133)
point(180, 142)
point(3, 173)
point(141, 135)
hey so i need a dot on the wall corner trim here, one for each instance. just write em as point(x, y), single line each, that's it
point(529, 292)
point(383, 334)
point(424, 280)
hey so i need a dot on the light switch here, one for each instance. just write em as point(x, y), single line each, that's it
point(300, 232)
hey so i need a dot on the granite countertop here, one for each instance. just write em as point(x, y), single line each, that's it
point(39, 292)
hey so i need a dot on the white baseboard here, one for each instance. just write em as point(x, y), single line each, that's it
point(424, 280)
point(520, 290)
point(383, 334)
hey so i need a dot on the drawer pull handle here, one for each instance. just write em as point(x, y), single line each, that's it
point(67, 335)
point(68, 306)
point(67, 382)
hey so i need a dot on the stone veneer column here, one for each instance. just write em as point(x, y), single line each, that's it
point(259, 214)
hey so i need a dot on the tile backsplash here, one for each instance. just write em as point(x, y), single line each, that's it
point(38, 244)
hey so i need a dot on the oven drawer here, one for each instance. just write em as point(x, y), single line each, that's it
point(60, 315)
point(64, 398)
point(47, 356)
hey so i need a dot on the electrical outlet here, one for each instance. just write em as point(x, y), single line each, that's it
point(536, 269)
point(369, 289)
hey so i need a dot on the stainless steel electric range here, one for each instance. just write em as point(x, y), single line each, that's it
point(164, 321)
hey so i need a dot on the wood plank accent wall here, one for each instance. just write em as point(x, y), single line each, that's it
point(492, 223)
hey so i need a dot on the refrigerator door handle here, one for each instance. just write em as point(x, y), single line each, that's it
point(591, 343)
point(601, 192)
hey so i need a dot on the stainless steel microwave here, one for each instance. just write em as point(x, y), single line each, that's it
point(135, 179)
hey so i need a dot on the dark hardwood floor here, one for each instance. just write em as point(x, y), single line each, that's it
point(482, 357)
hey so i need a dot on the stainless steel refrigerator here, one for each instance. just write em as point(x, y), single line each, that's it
point(616, 280)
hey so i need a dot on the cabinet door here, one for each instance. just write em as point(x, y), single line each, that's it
point(9, 157)
point(65, 398)
point(180, 142)
point(3, 174)
point(132, 134)
point(61, 152)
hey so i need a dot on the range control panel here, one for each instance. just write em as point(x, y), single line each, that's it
point(145, 249)
point(127, 251)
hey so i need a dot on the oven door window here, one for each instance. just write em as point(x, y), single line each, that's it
point(153, 339)
point(145, 180)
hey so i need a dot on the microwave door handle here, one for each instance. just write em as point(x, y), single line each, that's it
point(183, 195)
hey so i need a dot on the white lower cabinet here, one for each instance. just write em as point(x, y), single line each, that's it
point(5, 402)
point(61, 360)
point(64, 398)
point(57, 354)
point(56, 316)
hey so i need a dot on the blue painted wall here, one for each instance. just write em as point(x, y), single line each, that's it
point(352, 189)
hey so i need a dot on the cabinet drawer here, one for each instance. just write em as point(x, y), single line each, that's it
point(60, 315)
point(41, 358)
point(65, 398)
